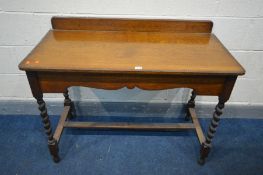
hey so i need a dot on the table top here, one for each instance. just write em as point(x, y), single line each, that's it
point(131, 51)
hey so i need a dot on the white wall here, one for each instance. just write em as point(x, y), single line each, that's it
point(237, 23)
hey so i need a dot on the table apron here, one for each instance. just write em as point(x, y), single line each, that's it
point(58, 82)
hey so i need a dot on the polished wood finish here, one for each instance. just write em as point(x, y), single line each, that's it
point(52, 143)
point(135, 25)
point(57, 82)
point(223, 97)
point(130, 52)
point(38, 94)
point(206, 145)
point(116, 53)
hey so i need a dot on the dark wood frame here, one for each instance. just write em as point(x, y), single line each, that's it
point(49, 81)
point(46, 82)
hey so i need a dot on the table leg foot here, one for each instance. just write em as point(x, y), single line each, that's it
point(53, 149)
point(204, 151)
point(190, 104)
point(201, 161)
point(56, 159)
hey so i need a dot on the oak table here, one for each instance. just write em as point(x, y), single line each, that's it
point(116, 53)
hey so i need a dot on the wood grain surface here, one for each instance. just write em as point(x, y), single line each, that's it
point(125, 51)
point(120, 24)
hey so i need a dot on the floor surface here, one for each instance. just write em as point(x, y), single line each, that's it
point(237, 149)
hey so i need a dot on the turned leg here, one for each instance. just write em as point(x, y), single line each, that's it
point(206, 145)
point(52, 143)
point(68, 102)
point(190, 104)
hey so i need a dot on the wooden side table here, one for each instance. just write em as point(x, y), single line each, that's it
point(116, 53)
